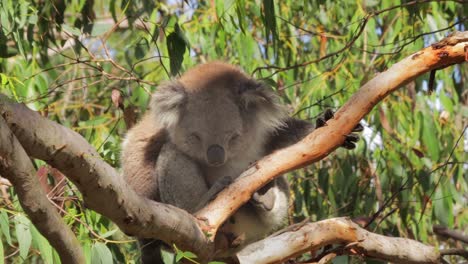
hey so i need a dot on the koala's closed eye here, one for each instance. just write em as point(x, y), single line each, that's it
point(194, 139)
point(234, 138)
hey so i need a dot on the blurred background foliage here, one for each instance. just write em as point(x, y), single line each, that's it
point(91, 66)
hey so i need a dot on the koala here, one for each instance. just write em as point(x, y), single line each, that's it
point(201, 132)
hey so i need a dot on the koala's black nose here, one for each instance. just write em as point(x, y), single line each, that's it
point(215, 155)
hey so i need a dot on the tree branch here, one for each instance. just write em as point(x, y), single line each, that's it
point(103, 189)
point(17, 167)
point(449, 233)
point(312, 236)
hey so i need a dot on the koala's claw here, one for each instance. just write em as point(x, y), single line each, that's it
point(322, 120)
point(350, 139)
point(348, 145)
point(358, 128)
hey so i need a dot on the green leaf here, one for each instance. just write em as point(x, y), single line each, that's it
point(99, 29)
point(73, 30)
point(23, 15)
point(167, 257)
point(429, 138)
point(2, 255)
point(94, 122)
point(241, 15)
point(87, 250)
point(112, 5)
point(19, 43)
point(100, 254)
point(33, 19)
point(5, 227)
point(43, 245)
point(446, 102)
point(185, 255)
point(41, 84)
point(270, 20)
point(5, 22)
point(176, 46)
point(109, 233)
point(442, 203)
point(23, 234)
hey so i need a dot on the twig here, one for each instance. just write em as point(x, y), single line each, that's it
point(446, 232)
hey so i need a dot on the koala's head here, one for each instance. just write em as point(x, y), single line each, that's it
point(215, 112)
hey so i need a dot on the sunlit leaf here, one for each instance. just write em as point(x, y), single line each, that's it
point(4, 225)
point(43, 245)
point(23, 234)
point(100, 254)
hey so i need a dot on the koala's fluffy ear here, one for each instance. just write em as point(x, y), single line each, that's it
point(259, 99)
point(167, 103)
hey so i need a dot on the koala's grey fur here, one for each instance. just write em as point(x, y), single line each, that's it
point(202, 131)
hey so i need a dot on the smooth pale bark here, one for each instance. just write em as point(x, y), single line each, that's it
point(312, 236)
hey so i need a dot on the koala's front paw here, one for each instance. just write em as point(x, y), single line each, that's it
point(264, 198)
point(350, 139)
point(222, 183)
point(216, 188)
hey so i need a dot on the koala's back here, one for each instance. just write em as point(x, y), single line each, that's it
point(140, 151)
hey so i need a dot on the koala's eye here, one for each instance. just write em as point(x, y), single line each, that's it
point(234, 138)
point(195, 137)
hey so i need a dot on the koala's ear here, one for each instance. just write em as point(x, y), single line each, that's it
point(167, 103)
point(259, 99)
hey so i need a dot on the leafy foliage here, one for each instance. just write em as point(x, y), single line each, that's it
point(65, 58)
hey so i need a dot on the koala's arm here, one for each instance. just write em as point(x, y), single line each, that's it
point(140, 151)
point(296, 129)
point(181, 182)
point(293, 131)
point(272, 200)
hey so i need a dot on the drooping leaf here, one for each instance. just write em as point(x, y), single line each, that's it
point(100, 254)
point(4, 226)
point(23, 234)
point(176, 46)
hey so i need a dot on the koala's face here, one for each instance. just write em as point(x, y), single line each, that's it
point(214, 113)
point(210, 129)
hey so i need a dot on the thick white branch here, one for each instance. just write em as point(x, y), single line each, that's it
point(312, 236)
